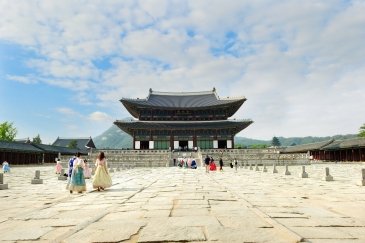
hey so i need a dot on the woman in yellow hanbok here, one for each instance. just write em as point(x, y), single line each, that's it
point(102, 178)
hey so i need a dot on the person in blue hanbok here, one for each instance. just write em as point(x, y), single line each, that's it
point(193, 164)
point(71, 166)
point(77, 178)
point(6, 167)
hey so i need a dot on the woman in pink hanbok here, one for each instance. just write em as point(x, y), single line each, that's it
point(58, 166)
point(87, 170)
point(102, 178)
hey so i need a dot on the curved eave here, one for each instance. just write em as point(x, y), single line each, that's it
point(129, 126)
point(134, 106)
point(131, 107)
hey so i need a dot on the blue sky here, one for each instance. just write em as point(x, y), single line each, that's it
point(64, 65)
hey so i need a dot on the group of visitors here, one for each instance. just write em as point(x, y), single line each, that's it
point(211, 166)
point(186, 163)
point(78, 170)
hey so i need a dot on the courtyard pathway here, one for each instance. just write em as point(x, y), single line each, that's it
point(184, 205)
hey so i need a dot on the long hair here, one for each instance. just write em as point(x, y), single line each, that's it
point(101, 156)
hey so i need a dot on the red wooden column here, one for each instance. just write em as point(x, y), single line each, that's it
point(134, 139)
point(195, 143)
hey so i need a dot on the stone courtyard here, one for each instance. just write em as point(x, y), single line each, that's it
point(170, 204)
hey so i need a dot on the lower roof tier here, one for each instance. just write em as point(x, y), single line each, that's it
point(234, 125)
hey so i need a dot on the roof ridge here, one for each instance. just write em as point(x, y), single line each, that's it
point(75, 138)
point(181, 93)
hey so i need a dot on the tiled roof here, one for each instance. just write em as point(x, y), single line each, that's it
point(346, 144)
point(306, 147)
point(16, 146)
point(181, 100)
point(82, 143)
point(127, 126)
point(36, 148)
point(58, 149)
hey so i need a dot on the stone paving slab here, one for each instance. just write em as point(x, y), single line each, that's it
point(173, 204)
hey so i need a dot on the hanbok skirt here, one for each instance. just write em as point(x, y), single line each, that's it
point(77, 180)
point(87, 173)
point(6, 168)
point(58, 168)
point(102, 178)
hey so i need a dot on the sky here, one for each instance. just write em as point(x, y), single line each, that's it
point(64, 65)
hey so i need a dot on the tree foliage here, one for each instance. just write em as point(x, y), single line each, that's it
point(275, 142)
point(362, 131)
point(258, 146)
point(72, 144)
point(37, 140)
point(7, 131)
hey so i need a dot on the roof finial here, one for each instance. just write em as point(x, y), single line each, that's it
point(150, 90)
point(213, 89)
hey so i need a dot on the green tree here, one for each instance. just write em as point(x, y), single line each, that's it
point(275, 142)
point(362, 131)
point(72, 144)
point(258, 146)
point(7, 131)
point(37, 140)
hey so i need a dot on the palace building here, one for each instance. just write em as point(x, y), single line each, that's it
point(173, 120)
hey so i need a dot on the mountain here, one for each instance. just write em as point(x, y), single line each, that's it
point(115, 138)
point(247, 142)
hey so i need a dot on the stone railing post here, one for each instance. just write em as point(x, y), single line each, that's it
point(2, 185)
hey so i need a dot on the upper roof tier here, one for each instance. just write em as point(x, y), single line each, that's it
point(181, 101)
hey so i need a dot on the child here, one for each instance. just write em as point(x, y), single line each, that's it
point(87, 170)
point(58, 166)
point(6, 167)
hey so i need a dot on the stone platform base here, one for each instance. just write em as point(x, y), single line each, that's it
point(3, 186)
point(62, 178)
point(37, 181)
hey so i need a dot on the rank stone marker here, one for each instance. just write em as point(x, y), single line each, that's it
point(362, 182)
point(274, 170)
point(303, 174)
point(2, 185)
point(287, 172)
point(37, 179)
point(265, 169)
point(328, 177)
point(61, 177)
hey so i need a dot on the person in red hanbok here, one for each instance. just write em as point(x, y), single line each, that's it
point(212, 165)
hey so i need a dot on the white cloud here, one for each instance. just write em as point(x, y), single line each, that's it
point(22, 79)
point(299, 65)
point(99, 116)
point(66, 111)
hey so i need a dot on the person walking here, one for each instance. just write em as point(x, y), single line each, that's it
point(235, 163)
point(221, 164)
point(77, 178)
point(207, 162)
point(102, 178)
point(71, 166)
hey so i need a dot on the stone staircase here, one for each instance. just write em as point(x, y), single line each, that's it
point(255, 156)
point(164, 158)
